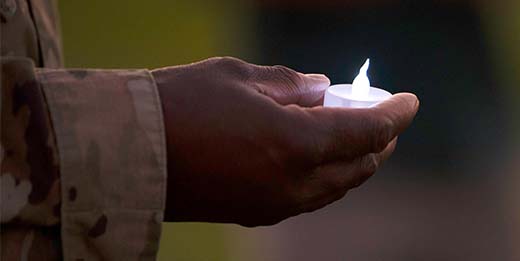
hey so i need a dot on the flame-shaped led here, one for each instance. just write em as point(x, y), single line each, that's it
point(361, 84)
point(359, 94)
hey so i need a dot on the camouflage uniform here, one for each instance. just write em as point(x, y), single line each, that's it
point(83, 156)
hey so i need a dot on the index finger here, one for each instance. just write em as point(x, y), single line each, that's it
point(287, 86)
point(344, 133)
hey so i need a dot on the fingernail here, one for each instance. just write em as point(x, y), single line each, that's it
point(416, 102)
point(318, 77)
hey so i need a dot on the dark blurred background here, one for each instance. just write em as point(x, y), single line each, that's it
point(450, 192)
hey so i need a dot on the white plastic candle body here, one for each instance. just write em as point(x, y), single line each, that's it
point(341, 95)
point(359, 94)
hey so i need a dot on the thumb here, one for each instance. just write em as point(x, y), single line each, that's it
point(287, 86)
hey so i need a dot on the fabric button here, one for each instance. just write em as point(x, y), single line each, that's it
point(7, 8)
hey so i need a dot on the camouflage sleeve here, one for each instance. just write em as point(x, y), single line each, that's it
point(110, 156)
point(29, 169)
point(29, 178)
point(111, 143)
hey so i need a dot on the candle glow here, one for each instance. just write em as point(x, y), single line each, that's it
point(359, 94)
point(361, 84)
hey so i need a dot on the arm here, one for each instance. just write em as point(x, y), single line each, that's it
point(245, 144)
point(109, 152)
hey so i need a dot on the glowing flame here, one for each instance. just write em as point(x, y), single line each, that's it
point(361, 84)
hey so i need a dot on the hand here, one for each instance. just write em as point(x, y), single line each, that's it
point(246, 144)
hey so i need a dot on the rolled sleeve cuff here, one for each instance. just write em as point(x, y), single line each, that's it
point(110, 136)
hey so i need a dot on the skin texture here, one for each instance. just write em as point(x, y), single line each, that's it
point(251, 144)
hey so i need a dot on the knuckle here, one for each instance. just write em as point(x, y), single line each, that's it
point(287, 76)
point(232, 66)
point(383, 127)
point(227, 62)
point(369, 165)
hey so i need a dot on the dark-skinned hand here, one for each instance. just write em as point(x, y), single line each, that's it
point(251, 145)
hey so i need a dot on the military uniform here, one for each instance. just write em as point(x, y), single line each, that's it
point(83, 152)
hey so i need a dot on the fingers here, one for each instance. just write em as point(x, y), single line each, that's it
point(284, 85)
point(287, 86)
point(387, 152)
point(331, 182)
point(343, 175)
point(370, 163)
point(340, 133)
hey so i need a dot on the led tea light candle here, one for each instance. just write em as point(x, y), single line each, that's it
point(359, 94)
